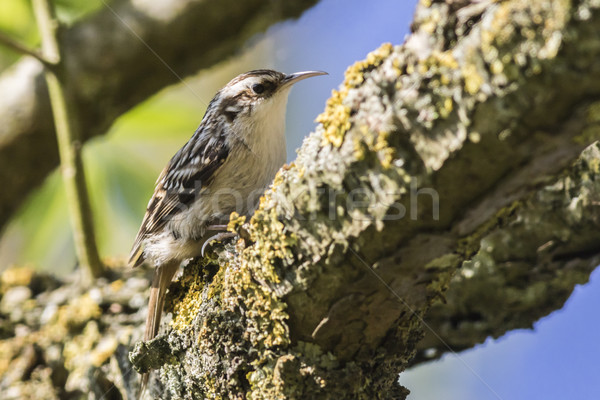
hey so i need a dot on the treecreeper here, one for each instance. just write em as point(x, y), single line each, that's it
point(226, 166)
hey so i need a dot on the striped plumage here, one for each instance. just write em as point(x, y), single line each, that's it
point(225, 166)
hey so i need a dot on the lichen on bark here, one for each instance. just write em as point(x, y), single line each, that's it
point(324, 296)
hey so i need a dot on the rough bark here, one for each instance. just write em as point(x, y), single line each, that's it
point(111, 69)
point(489, 104)
point(493, 105)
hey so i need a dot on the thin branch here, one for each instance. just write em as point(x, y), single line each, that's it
point(69, 143)
point(19, 47)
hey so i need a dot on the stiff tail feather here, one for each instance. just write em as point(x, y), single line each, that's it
point(160, 283)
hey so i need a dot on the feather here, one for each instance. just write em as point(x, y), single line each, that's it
point(189, 171)
point(160, 283)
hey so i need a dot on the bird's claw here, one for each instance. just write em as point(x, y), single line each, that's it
point(218, 237)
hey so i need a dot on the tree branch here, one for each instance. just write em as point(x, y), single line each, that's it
point(69, 144)
point(19, 47)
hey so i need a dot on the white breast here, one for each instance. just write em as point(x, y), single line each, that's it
point(256, 154)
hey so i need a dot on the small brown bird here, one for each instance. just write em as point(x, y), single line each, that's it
point(226, 165)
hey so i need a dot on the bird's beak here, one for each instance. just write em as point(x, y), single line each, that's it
point(298, 76)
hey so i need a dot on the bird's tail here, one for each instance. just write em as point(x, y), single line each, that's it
point(160, 283)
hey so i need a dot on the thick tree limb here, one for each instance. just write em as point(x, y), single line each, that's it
point(489, 104)
point(113, 69)
point(541, 247)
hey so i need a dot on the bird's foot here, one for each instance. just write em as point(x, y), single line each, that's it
point(218, 237)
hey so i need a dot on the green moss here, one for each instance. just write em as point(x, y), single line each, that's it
point(469, 246)
point(593, 113)
point(444, 267)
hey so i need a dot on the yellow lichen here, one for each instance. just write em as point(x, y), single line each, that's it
point(216, 286)
point(187, 305)
point(251, 282)
point(439, 67)
point(78, 350)
point(17, 276)
point(473, 80)
point(432, 23)
point(301, 172)
point(116, 285)
point(384, 150)
point(376, 142)
point(235, 221)
point(397, 65)
point(445, 107)
point(336, 117)
point(594, 165)
point(474, 137)
point(103, 350)
point(359, 148)
point(78, 312)
point(543, 30)
point(278, 178)
point(442, 59)
point(497, 67)
point(264, 312)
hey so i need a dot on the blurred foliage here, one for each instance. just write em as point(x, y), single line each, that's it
point(121, 166)
point(121, 169)
point(17, 20)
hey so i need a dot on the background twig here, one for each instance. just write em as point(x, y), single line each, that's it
point(69, 144)
point(19, 47)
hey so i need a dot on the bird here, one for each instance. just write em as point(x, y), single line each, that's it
point(225, 166)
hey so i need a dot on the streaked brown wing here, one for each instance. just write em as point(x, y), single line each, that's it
point(190, 170)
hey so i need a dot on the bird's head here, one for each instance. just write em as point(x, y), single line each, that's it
point(259, 94)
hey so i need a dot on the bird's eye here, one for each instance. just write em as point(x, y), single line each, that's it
point(258, 88)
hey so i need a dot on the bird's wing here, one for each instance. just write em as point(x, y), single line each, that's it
point(188, 172)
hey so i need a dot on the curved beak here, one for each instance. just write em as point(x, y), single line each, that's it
point(298, 76)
